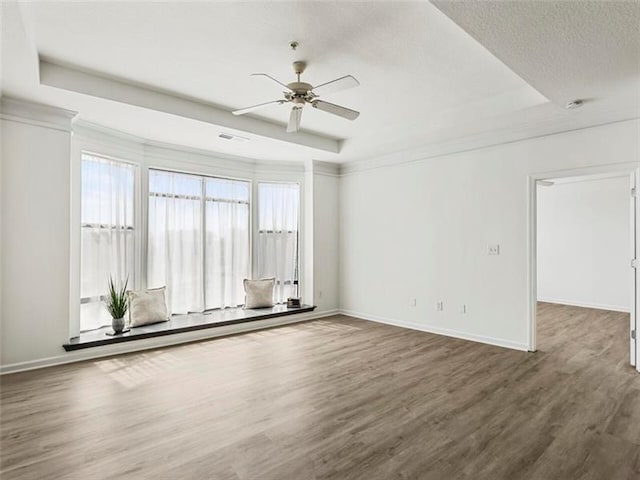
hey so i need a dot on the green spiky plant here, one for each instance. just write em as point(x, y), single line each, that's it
point(116, 301)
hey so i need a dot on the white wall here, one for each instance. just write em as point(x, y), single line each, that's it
point(1, 214)
point(421, 230)
point(584, 243)
point(35, 240)
point(326, 217)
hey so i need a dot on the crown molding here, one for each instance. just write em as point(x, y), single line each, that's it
point(161, 152)
point(330, 169)
point(152, 150)
point(38, 114)
point(275, 167)
point(468, 144)
point(97, 136)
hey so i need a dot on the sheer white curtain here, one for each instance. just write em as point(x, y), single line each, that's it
point(227, 242)
point(108, 234)
point(175, 253)
point(278, 205)
point(198, 240)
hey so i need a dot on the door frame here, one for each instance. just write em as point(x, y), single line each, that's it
point(622, 169)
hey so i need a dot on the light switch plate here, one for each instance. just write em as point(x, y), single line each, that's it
point(493, 249)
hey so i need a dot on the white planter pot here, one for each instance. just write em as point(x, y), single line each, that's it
point(117, 324)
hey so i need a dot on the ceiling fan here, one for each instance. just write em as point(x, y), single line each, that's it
point(300, 93)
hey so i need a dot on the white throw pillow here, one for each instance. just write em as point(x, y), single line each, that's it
point(147, 306)
point(258, 293)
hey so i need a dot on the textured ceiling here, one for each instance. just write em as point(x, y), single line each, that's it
point(424, 79)
point(565, 49)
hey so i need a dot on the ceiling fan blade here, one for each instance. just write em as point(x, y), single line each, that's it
point(336, 109)
point(271, 78)
point(336, 85)
point(294, 119)
point(242, 111)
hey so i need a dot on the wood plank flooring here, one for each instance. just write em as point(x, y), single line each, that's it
point(337, 398)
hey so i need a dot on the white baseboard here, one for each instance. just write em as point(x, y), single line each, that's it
point(612, 308)
point(498, 342)
point(165, 341)
point(159, 342)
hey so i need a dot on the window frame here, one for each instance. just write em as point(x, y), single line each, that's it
point(203, 199)
point(135, 228)
point(257, 230)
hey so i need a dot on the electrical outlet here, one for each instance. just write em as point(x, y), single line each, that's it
point(493, 249)
point(319, 294)
point(412, 302)
point(463, 309)
point(439, 306)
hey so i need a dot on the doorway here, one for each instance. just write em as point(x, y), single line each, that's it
point(583, 242)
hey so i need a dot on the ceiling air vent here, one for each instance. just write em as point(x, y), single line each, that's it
point(230, 136)
point(572, 105)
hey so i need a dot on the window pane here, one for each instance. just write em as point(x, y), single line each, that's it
point(174, 183)
point(198, 247)
point(278, 203)
point(105, 252)
point(175, 239)
point(107, 234)
point(93, 315)
point(221, 189)
point(227, 242)
point(107, 191)
point(278, 236)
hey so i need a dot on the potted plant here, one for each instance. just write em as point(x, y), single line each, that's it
point(116, 303)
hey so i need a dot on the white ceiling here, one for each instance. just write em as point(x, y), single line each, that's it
point(424, 79)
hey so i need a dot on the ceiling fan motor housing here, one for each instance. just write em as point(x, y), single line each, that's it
point(300, 94)
point(300, 87)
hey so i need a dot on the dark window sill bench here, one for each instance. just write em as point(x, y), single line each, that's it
point(181, 324)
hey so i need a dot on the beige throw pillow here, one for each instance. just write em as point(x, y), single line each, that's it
point(147, 306)
point(258, 293)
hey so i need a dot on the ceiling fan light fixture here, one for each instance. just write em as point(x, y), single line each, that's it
point(299, 93)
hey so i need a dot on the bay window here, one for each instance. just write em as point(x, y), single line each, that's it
point(197, 237)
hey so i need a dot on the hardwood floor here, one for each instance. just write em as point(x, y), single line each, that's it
point(337, 398)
